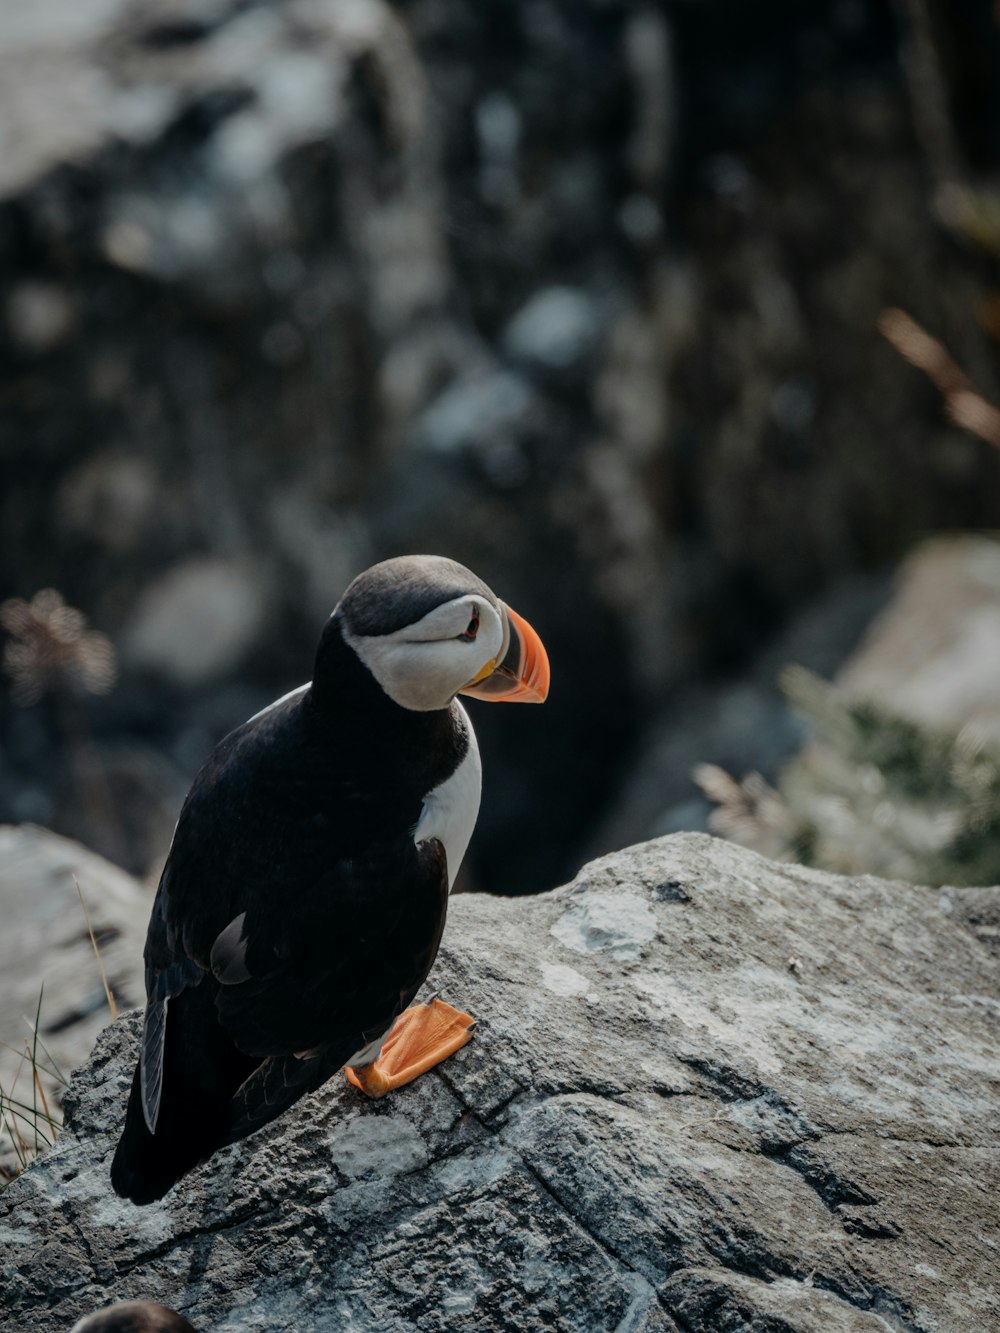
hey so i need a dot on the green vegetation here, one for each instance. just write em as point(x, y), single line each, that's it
point(874, 793)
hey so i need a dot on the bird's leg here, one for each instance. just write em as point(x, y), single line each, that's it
point(419, 1039)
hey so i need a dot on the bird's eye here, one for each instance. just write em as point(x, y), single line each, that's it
point(472, 628)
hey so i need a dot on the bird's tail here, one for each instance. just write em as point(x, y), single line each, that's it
point(202, 1070)
point(146, 1165)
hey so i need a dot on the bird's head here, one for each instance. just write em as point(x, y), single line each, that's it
point(134, 1317)
point(427, 629)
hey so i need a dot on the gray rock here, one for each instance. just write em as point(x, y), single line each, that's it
point(555, 330)
point(45, 946)
point(932, 653)
point(776, 1112)
point(40, 316)
point(198, 621)
point(845, 803)
point(471, 412)
point(741, 725)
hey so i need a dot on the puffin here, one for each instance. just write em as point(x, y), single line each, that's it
point(305, 891)
point(134, 1317)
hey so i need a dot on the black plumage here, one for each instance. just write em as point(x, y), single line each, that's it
point(301, 821)
point(399, 590)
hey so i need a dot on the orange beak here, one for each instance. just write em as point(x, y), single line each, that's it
point(523, 674)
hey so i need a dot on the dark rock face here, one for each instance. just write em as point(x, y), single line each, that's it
point(707, 1092)
point(582, 294)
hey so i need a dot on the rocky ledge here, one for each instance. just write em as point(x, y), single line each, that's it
point(707, 1092)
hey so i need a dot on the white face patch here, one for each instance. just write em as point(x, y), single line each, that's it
point(449, 811)
point(424, 665)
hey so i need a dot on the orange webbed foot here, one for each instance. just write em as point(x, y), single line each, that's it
point(420, 1038)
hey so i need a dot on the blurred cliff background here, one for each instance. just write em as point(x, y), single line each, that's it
point(678, 322)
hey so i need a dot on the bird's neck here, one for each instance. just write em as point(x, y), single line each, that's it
point(347, 696)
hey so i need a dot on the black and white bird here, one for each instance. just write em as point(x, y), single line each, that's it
point(304, 896)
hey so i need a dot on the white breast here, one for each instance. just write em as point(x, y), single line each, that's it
point(449, 811)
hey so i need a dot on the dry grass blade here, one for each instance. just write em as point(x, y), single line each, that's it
point(53, 1069)
point(13, 1132)
point(32, 1052)
point(916, 345)
point(41, 1092)
point(973, 413)
point(750, 812)
point(16, 1137)
point(38, 1112)
point(964, 404)
point(742, 808)
point(112, 1005)
point(38, 1117)
point(12, 1110)
point(26, 1111)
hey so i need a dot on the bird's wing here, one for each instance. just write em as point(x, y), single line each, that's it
point(307, 973)
point(169, 971)
point(306, 989)
point(311, 951)
point(336, 960)
point(275, 1086)
point(201, 881)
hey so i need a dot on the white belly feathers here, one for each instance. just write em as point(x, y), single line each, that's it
point(449, 811)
